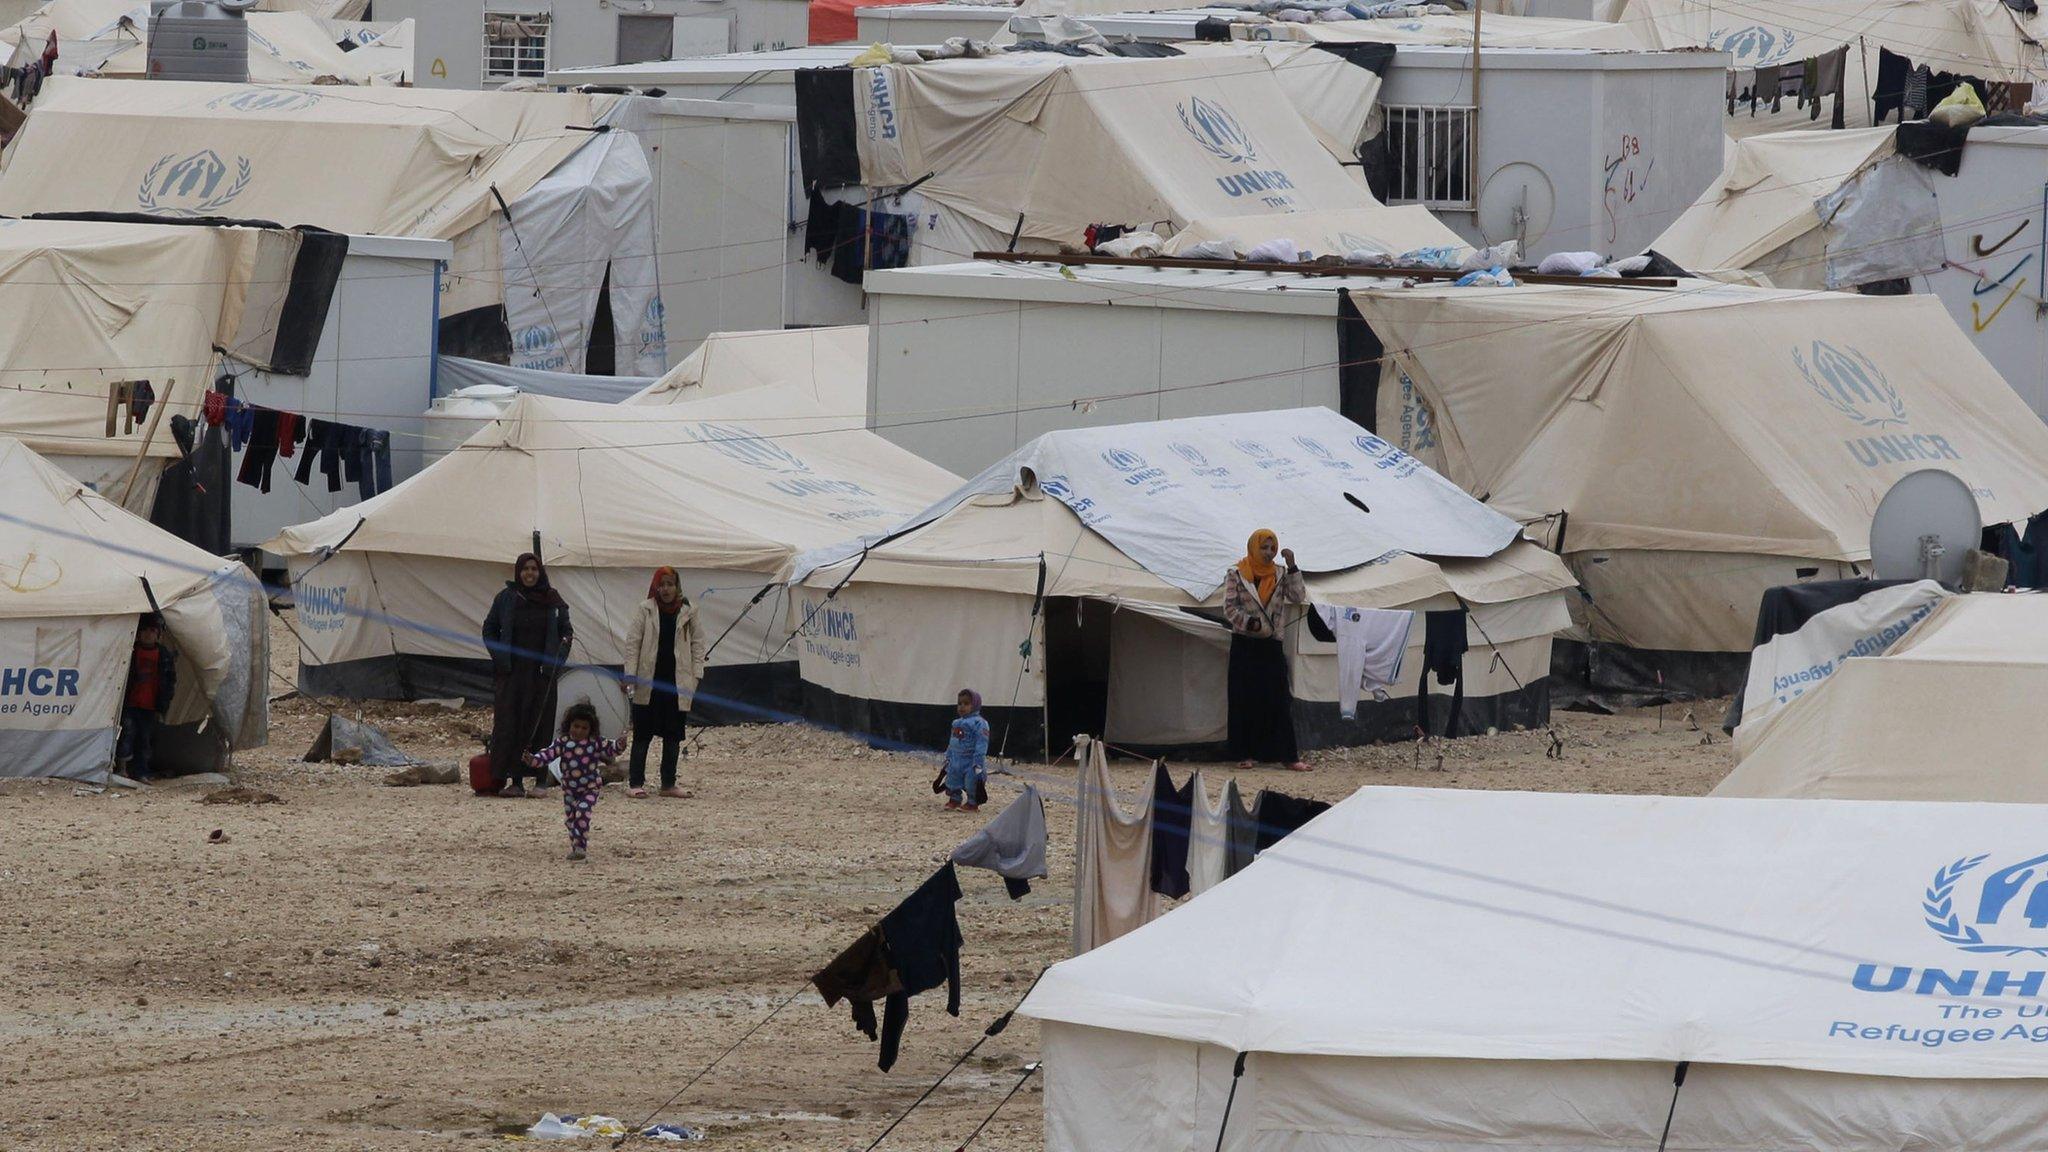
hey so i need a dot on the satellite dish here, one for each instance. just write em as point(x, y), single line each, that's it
point(1518, 202)
point(1924, 528)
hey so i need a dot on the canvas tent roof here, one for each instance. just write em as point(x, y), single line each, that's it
point(1505, 926)
point(831, 363)
point(1064, 142)
point(741, 481)
point(1972, 37)
point(1950, 712)
point(1765, 200)
point(1062, 502)
point(1707, 417)
point(382, 161)
point(1455, 31)
point(108, 38)
point(84, 304)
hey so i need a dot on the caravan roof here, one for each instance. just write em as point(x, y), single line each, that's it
point(109, 38)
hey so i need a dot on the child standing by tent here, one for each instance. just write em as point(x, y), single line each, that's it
point(583, 753)
point(966, 754)
point(152, 681)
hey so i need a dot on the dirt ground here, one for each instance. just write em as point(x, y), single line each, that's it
point(365, 967)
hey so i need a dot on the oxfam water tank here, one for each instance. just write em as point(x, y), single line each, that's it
point(199, 40)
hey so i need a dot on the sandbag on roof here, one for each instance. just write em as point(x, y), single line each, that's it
point(1710, 417)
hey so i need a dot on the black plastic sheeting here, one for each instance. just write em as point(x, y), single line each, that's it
point(827, 144)
point(1608, 677)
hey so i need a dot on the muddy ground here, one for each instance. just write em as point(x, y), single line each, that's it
point(365, 967)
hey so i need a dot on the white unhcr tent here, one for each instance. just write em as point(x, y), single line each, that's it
point(1441, 971)
point(1986, 39)
point(75, 574)
point(1687, 448)
point(383, 161)
point(832, 363)
point(85, 305)
point(1056, 584)
point(1042, 146)
point(728, 490)
point(1952, 711)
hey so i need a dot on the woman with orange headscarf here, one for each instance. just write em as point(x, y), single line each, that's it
point(1255, 593)
point(664, 662)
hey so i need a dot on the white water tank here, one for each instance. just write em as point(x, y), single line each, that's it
point(199, 40)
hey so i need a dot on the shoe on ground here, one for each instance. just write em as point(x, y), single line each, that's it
point(952, 805)
point(637, 793)
point(675, 793)
point(575, 853)
point(513, 790)
point(970, 807)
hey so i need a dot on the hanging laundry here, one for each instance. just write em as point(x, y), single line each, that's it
point(1012, 845)
point(1172, 813)
point(1917, 83)
point(143, 396)
point(214, 406)
point(120, 407)
point(287, 433)
point(1890, 93)
point(1277, 815)
point(1113, 859)
point(1443, 653)
point(914, 949)
point(1208, 837)
point(1243, 842)
point(323, 443)
point(262, 452)
point(1370, 645)
point(241, 423)
point(380, 456)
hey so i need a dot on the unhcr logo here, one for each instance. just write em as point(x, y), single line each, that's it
point(1852, 384)
point(747, 447)
point(1136, 471)
point(1189, 453)
point(1754, 44)
point(200, 184)
point(265, 100)
point(1217, 131)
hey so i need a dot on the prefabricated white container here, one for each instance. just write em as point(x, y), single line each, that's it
point(930, 23)
point(374, 368)
point(1003, 349)
point(199, 40)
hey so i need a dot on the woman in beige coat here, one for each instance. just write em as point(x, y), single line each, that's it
point(664, 661)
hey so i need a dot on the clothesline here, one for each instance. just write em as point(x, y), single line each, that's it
point(358, 455)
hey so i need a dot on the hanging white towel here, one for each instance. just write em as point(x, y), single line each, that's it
point(1208, 839)
point(1370, 645)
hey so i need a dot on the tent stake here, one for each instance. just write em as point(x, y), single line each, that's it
point(1236, 1074)
point(1677, 1082)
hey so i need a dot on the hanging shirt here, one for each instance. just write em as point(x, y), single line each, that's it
point(1370, 645)
point(1279, 814)
point(1172, 810)
point(1244, 831)
point(1113, 880)
point(1208, 837)
point(1012, 845)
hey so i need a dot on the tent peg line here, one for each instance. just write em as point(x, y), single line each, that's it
point(1030, 1070)
point(716, 1060)
point(1236, 1074)
point(1677, 1082)
point(995, 1029)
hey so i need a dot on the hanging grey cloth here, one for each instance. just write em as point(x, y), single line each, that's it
point(1012, 845)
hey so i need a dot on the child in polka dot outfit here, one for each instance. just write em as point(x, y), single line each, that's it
point(583, 754)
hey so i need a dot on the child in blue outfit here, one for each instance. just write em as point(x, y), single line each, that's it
point(966, 753)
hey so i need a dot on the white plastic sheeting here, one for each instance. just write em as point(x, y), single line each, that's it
point(1884, 224)
point(1181, 496)
point(591, 217)
point(458, 373)
point(1789, 666)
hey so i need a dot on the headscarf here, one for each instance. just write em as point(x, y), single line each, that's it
point(654, 591)
point(541, 592)
point(973, 698)
point(1262, 574)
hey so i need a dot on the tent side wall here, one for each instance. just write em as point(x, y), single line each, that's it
point(400, 627)
point(1121, 1090)
point(61, 686)
point(888, 661)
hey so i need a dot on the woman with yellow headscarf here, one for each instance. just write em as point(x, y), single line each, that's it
point(1255, 593)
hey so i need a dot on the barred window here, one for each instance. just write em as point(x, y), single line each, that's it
point(516, 45)
point(1431, 149)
